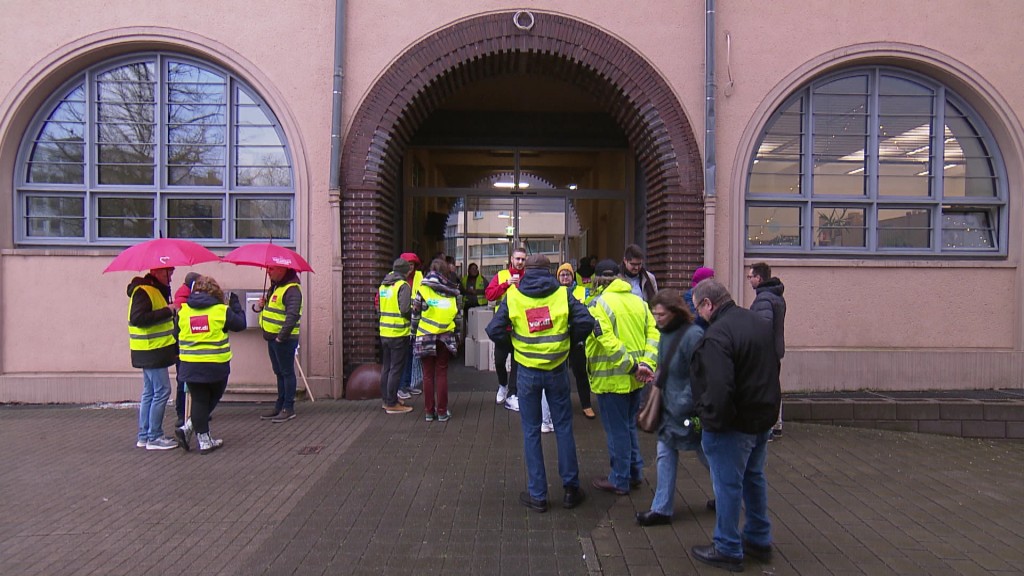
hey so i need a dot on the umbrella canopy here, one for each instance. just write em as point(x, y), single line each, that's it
point(160, 253)
point(267, 255)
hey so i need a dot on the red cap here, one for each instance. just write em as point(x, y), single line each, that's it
point(410, 257)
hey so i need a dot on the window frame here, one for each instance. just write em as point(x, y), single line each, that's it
point(159, 190)
point(996, 207)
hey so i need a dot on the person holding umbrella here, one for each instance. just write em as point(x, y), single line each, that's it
point(153, 349)
point(280, 311)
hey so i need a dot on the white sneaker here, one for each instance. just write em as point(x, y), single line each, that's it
point(502, 395)
point(140, 443)
point(547, 428)
point(512, 403)
point(403, 395)
point(162, 443)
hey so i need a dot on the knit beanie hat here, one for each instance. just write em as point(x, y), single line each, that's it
point(565, 266)
point(701, 273)
point(606, 268)
point(401, 266)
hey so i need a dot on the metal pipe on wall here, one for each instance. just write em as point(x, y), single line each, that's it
point(334, 199)
point(710, 166)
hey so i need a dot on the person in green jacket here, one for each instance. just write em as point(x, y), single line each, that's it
point(622, 354)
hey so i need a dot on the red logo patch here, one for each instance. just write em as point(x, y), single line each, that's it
point(199, 324)
point(539, 319)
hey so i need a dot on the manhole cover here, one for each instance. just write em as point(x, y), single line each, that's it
point(306, 450)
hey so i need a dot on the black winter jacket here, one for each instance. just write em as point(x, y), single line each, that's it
point(234, 321)
point(735, 373)
point(770, 305)
point(141, 314)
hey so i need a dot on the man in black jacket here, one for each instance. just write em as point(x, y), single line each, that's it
point(735, 372)
point(770, 305)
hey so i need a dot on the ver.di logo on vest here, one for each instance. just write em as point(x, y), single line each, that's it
point(538, 319)
point(199, 324)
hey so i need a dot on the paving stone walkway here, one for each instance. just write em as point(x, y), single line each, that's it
point(346, 489)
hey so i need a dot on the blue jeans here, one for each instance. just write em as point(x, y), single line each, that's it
point(156, 389)
point(412, 376)
point(737, 474)
point(618, 416)
point(282, 359)
point(533, 384)
point(668, 462)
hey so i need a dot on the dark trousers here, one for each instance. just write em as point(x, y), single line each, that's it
point(501, 353)
point(179, 402)
point(578, 363)
point(435, 381)
point(282, 359)
point(395, 352)
point(205, 395)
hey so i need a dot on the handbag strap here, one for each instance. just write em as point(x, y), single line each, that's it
point(662, 374)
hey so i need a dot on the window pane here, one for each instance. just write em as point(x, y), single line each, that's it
point(904, 228)
point(263, 219)
point(773, 226)
point(55, 217)
point(776, 168)
point(58, 155)
point(967, 229)
point(967, 169)
point(195, 218)
point(125, 218)
point(839, 227)
point(125, 164)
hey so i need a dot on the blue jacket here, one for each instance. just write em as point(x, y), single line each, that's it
point(677, 402)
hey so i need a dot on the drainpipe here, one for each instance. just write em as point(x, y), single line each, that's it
point(334, 199)
point(710, 167)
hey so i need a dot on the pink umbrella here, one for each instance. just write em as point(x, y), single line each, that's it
point(160, 253)
point(267, 255)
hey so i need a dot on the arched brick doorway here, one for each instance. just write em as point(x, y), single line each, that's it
point(630, 89)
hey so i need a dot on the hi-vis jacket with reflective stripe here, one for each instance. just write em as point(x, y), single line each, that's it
point(439, 312)
point(540, 328)
point(626, 334)
point(480, 286)
point(273, 316)
point(154, 336)
point(392, 323)
point(201, 334)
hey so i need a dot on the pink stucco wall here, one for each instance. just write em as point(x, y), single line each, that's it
point(285, 51)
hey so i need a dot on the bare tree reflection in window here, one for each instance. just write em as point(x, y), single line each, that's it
point(126, 124)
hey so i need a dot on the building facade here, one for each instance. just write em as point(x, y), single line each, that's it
point(870, 152)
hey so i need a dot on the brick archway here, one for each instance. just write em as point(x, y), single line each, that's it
point(630, 89)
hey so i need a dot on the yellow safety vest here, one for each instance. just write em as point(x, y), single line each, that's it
point(439, 315)
point(201, 335)
point(504, 276)
point(156, 336)
point(392, 323)
point(273, 314)
point(540, 328)
point(628, 335)
point(480, 287)
point(417, 277)
point(582, 293)
point(587, 283)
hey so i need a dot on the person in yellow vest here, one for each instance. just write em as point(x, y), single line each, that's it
point(203, 323)
point(622, 355)
point(280, 311)
point(153, 349)
point(495, 292)
point(577, 355)
point(545, 321)
point(436, 325)
point(394, 297)
point(412, 378)
point(473, 286)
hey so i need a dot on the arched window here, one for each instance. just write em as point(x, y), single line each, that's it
point(155, 144)
point(876, 160)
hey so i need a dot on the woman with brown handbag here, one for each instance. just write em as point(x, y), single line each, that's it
point(678, 429)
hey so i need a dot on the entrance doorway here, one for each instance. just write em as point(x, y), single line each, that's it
point(477, 204)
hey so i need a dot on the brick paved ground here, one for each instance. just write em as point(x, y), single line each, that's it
point(346, 489)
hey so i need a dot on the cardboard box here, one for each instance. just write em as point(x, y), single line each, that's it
point(472, 346)
point(485, 355)
point(479, 317)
